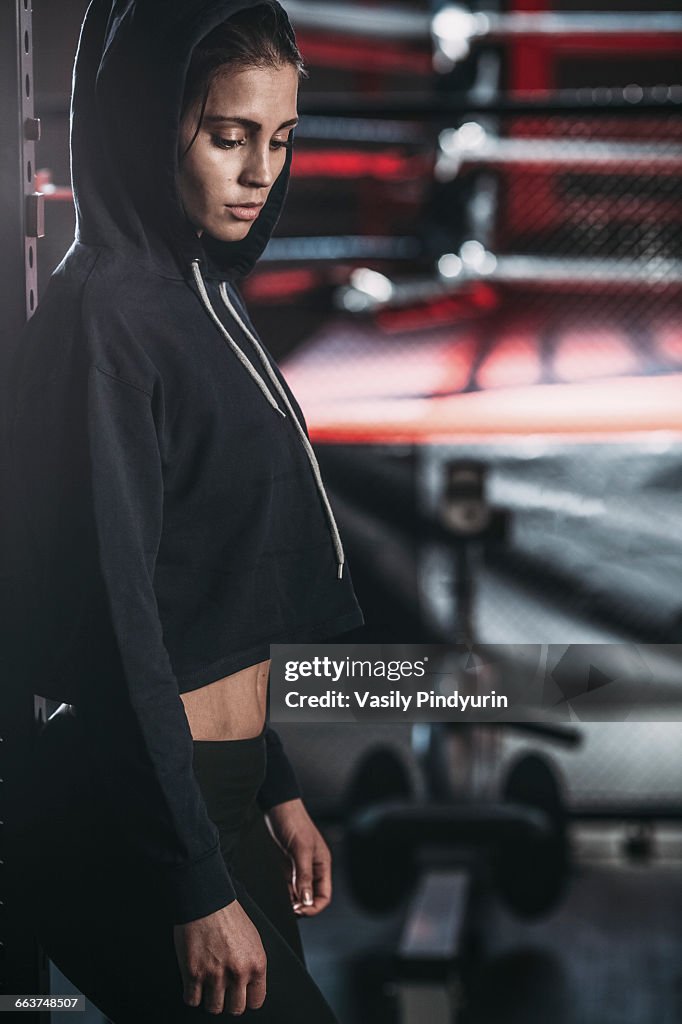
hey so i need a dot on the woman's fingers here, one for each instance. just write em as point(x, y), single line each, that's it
point(236, 993)
point(214, 995)
point(192, 992)
point(303, 859)
point(314, 881)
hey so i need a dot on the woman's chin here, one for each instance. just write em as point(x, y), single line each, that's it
point(222, 231)
point(231, 232)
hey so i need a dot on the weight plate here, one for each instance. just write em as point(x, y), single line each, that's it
point(381, 775)
point(380, 876)
point(531, 874)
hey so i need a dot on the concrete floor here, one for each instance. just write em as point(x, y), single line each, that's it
point(611, 954)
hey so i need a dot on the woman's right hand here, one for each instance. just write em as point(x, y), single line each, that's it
point(218, 952)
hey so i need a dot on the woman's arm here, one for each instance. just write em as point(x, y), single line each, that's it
point(306, 858)
point(139, 734)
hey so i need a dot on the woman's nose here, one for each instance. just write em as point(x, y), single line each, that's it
point(258, 170)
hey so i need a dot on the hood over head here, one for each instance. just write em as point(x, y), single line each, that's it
point(128, 85)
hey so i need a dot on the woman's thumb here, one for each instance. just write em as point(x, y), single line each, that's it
point(304, 888)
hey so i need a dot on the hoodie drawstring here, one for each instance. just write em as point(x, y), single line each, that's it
point(236, 349)
point(264, 388)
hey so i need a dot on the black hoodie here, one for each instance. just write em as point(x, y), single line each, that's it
point(169, 520)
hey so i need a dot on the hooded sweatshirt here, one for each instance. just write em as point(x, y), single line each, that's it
point(169, 521)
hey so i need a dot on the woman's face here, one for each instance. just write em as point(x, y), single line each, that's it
point(240, 149)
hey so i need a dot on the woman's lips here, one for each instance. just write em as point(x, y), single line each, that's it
point(245, 212)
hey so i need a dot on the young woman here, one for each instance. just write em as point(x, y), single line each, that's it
point(171, 523)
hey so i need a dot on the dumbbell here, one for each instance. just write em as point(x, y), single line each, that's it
point(517, 845)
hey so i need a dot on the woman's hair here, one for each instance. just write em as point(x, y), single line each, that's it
point(256, 37)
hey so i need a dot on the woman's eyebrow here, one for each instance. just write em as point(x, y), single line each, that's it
point(217, 118)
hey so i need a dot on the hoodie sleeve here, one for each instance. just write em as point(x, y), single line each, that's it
point(137, 724)
point(280, 781)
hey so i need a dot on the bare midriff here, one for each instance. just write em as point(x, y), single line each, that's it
point(231, 708)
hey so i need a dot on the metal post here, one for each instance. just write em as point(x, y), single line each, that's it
point(23, 965)
point(21, 206)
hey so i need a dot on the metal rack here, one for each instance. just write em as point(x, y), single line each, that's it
point(23, 965)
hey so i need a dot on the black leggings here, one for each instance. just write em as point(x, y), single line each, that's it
point(93, 914)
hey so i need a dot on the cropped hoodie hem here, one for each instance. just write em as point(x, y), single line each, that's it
point(261, 652)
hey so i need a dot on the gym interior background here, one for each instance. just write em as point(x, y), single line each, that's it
point(475, 292)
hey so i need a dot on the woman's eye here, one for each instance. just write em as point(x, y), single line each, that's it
point(233, 143)
point(226, 143)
